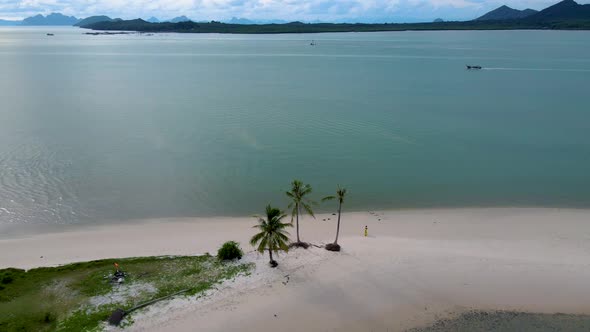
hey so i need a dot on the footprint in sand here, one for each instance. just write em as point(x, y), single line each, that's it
point(287, 281)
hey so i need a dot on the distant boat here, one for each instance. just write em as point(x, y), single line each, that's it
point(312, 43)
point(50, 34)
point(473, 67)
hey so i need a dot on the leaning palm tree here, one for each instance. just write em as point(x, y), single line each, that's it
point(298, 198)
point(273, 235)
point(340, 194)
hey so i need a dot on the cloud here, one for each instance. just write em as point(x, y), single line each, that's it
point(289, 10)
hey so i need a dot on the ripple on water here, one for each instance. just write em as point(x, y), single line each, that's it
point(33, 185)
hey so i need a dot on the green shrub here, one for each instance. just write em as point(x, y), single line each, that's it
point(230, 250)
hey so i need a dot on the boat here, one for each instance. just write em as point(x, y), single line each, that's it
point(473, 67)
point(50, 34)
point(312, 43)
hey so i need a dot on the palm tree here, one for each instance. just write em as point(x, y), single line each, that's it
point(272, 234)
point(340, 194)
point(298, 194)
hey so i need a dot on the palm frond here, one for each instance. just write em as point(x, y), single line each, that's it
point(282, 226)
point(263, 244)
point(328, 198)
point(310, 202)
point(341, 193)
point(284, 246)
point(256, 238)
point(308, 209)
point(305, 190)
point(283, 236)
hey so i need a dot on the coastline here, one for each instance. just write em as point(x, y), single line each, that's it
point(415, 267)
point(145, 237)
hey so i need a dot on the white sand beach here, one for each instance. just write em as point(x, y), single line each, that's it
point(414, 267)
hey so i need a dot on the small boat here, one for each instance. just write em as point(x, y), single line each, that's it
point(50, 34)
point(473, 67)
point(312, 43)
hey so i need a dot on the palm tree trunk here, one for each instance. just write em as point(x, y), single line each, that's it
point(297, 207)
point(270, 254)
point(338, 226)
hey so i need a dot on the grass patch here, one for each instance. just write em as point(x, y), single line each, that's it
point(79, 296)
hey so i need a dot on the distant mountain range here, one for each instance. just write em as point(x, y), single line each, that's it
point(506, 13)
point(172, 20)
point(54, 19)
point(236, 20)
point(179, 19)
point(51, 19)
point(565, 10)
point(566, 14)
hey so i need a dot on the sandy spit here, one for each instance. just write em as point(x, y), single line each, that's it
point(415, 267)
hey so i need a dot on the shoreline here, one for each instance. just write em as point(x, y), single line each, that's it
point(159, 229)
point(11, 231)
point(414, 268)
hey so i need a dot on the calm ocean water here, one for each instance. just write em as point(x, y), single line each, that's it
point(106, 128)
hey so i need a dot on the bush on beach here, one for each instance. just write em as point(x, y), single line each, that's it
point(230, 250)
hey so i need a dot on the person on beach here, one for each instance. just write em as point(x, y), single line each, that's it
point(366, 231)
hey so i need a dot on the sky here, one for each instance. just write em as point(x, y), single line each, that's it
point(288, 10)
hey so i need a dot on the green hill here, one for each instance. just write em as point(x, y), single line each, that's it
point(563, 11)
point(92, 20)
point(506, 13)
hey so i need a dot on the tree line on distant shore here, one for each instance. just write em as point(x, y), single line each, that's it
point(139, 25)
point(272, 235)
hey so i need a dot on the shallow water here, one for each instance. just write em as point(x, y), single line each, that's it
point(103, 128)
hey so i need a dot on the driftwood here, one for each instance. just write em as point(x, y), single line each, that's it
point(118, 315)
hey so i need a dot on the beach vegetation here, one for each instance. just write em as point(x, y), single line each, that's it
point(230, 250)
point(298, 195)
point(340, 195)
point(272, 235)
point(81, 296)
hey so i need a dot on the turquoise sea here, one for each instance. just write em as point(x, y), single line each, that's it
point(110, 128)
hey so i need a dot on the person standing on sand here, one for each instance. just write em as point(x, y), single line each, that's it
point(366, 231)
